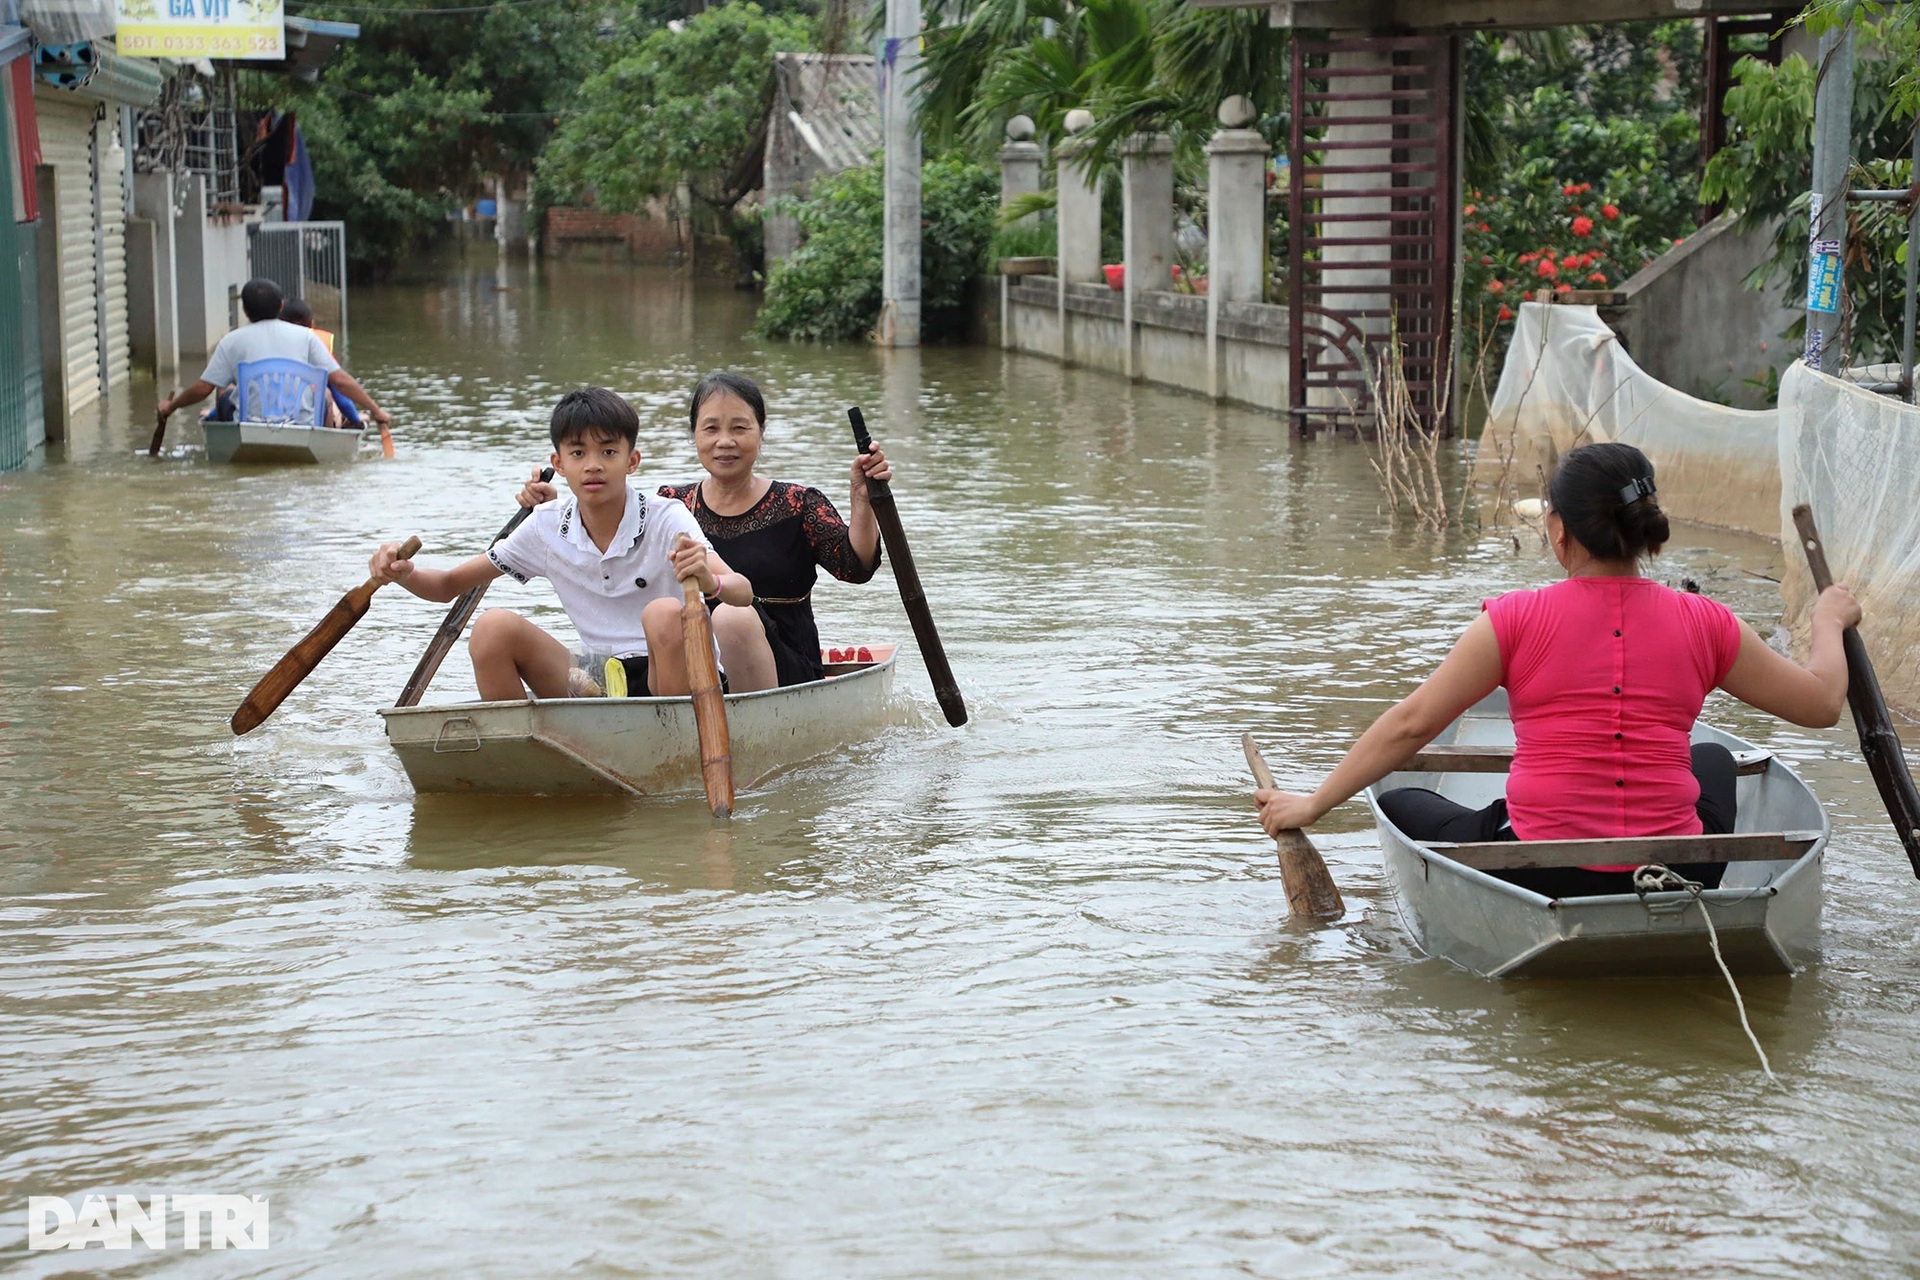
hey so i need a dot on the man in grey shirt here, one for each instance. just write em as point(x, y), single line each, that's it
point(266, 336)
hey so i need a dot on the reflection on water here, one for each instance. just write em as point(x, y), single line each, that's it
point(1019, 998)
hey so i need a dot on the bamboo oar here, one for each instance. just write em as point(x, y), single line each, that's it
point(1879, 744)
point(912, 596)
point(1311, 892)
point(458, 615)
point(305, 656)
point(709, 707)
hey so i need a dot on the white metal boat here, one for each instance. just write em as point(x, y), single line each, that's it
point(274, 442)
point(637, 746)
point(1766, 909)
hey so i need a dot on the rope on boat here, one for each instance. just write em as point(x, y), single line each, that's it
point(1654, 878)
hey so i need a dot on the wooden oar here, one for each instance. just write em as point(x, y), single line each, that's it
point(1879, 744)
point(709, 707)
point(305, 656)
point(1311, 892)
point(160, 428)
point(386, 441)
point(880, 495)
point(458, 615)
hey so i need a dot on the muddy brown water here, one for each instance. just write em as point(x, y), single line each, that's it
point(1019, 999)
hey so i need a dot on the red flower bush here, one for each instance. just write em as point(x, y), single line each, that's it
point(1544, 234)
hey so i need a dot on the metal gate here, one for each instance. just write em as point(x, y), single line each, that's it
point(307, 260)
point(1372, 229)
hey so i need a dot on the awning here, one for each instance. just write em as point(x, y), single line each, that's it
point(93, 71)
point(14, 41)
point(310, 43)
point(68, 21)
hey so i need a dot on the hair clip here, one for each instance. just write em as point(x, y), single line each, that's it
point(1642, 487)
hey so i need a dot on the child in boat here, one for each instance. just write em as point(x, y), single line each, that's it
point(340, 410)
point(614, 555)
point(1605, 674)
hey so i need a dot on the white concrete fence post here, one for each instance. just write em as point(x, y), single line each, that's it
point(1020, 163)
point(1076, 218)
point(1146, 202)
point(1236, 223)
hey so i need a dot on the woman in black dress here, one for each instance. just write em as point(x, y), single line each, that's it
point(774, 533)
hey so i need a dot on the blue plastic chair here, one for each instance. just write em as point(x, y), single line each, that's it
point(292, 392)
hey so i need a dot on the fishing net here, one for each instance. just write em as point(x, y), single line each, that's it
point(1854, 457)
point(1567, 381)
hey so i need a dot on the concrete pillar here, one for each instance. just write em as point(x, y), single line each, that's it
point(1827, 232)
point(899, 87)
point(152, 196)
point(1077, 211)
point(1236, 222)
point(1076, 218)
point(1146, 205)
point(1020, 162)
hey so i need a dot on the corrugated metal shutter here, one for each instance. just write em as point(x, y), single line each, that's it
point(66, 143)
point(117, 362)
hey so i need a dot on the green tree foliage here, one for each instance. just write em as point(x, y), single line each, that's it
point(1766, 170)
point(1136, 64)
point(671, 105)
point(830, 288)
point(411, 118)
point(1581, 164)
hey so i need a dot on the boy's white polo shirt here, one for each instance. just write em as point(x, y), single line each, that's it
point(603, 592)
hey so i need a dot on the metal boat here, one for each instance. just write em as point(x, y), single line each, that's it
point(1766, 910)
point(637, 746)
point(274, 442)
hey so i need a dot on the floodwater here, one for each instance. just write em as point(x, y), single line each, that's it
point(1019, 999)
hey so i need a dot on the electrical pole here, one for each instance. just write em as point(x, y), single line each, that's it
point(899, 62)
point(1827, 220)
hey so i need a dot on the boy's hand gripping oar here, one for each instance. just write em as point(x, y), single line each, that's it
point(709, 707)
point(459, 613)
point(1311, 892)
point(1879, 744)
point(305, 656)
point(880, 496)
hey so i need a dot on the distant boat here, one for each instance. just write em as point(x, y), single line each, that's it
point(638, 746)
point(273, 442)
point(1766, 910)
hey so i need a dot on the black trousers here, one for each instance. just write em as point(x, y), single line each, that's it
point(1427, 815)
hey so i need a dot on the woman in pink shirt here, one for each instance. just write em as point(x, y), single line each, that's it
point(1605, 674)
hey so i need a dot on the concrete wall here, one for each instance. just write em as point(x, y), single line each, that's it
point(1169, 338)
point(210, 265)
point(1689, 321)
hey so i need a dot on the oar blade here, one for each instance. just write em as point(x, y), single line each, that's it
point(1311, 892)
point(299, 662)
point(709, 705)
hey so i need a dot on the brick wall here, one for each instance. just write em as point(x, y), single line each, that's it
point(650, 235)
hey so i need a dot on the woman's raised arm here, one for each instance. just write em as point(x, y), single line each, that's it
point(1467, 674)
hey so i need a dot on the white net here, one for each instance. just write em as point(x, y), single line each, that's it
point(1567, 381)
point(1854, 457)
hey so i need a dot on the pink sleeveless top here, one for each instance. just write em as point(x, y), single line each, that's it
point(1604, 679)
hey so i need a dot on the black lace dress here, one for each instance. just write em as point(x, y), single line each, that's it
point(777, 543)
